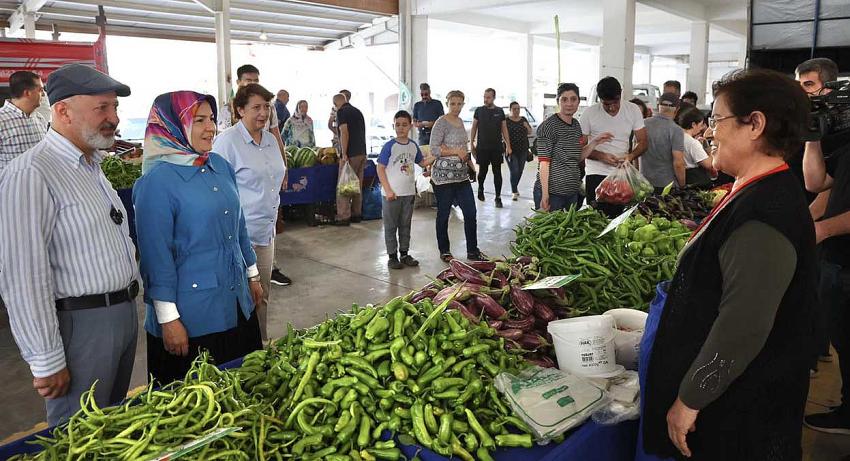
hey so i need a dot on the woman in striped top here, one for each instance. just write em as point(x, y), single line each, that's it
point(450, 178)
point(560, 149)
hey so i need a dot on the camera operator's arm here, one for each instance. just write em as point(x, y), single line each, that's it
point(814, 168)
point(832, 227)
point(818, 206)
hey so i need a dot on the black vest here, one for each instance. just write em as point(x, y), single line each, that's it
point(763, 407)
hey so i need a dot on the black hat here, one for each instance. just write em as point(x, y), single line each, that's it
point(668, 99)
point(74, 79)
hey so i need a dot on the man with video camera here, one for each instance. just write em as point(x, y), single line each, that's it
point(826, 170)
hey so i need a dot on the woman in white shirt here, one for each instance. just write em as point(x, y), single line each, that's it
point(698, 163)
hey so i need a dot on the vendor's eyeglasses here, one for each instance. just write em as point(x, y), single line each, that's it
point(714, 120)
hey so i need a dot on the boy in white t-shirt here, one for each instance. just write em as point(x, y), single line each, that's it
point(398, 188)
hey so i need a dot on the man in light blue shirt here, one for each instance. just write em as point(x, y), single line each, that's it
point(254, 155)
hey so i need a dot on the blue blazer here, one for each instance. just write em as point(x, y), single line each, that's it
point(193, 245)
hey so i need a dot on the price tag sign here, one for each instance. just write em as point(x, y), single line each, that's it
point(552, 282)
point(198, 443)
point(618, 220)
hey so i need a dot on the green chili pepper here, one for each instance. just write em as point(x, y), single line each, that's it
point(445, 431)
point(485, 438)
point(514, 440)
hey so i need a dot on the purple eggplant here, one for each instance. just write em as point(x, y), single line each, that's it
point(541, 361)
point(522, 300)
point(500, 280)
point(544, 312)
point(492, 308)
point(446, 275)
point(483, 266)
point(525, 260)
point(424, 294)
point(465, 311)
point(496, 324)
point(524, 324)
point(511, 333)
point(532, 341)
point(464, 272)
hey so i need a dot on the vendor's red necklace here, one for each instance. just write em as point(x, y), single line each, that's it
point(728, 198)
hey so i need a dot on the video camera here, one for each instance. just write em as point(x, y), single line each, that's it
point(830, 113)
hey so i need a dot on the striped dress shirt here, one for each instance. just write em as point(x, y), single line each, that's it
point(19, 132)
point(57, 240)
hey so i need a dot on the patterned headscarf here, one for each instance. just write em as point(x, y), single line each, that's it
point(167, 137)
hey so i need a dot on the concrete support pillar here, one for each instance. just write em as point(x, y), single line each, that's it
point(29, 25)
point(742, 54)
point(413, 53)
point(617, 53)
point(222, 45)
point(528, 70)
point(698, 68)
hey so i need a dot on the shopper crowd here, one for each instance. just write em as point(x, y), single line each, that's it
point(761, 290)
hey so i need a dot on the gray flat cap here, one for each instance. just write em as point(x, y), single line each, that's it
point(74, 79)
point(669, 99)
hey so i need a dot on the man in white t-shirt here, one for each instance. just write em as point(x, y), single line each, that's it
point(624, 120)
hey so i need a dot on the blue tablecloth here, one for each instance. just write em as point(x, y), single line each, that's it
point(317, 184)
point(589, 442)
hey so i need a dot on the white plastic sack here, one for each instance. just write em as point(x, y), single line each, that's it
point(624, 391)
point(551, 401)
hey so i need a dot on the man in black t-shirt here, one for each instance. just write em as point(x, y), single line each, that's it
point(826, 169)
point(352, 143)
point(492, 131)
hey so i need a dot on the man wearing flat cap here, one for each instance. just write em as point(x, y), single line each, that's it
point(68, 271)
point(664, 160)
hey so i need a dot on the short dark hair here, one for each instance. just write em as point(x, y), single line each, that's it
point(490, 90)
point(246, 69)
point(424, 87)
point(346, 93)
point(674, 83)
point(609, 88)
point(644, 110)
point(568, 87)
point(402, 114)
point(21, 81)
point(826, 68)
point(513, 103)
point(245, 93)
point(690, 95)
point(689, 116)
point(781, 99)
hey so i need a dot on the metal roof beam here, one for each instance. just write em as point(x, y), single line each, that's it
point(192, 9)
point(388, 27)
point(205, 22)
point(431, 7)
point(18, 18)
point(483, 20)
point(327, 13)
point(688, 9)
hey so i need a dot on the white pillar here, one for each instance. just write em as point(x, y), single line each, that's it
point(617, 53)
point(29, 25)
point(529, 71)
point(742, 54)
point(419, 52)
point(222, 45)
point(698, 68)
point(404, 53)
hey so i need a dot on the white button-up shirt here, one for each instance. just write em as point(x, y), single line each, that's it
point(57, 240)
point(259, 176)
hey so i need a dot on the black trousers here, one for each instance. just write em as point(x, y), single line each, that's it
point(485, 159)
point(223, 347)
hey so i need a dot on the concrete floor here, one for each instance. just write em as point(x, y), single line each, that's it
point(334, 267)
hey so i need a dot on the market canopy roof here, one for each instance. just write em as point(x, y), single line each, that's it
point(291, 22)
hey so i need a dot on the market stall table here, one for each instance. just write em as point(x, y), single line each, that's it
point(317, 184)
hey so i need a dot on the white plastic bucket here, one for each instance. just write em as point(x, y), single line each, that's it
point(585, 345)
point(628, 342)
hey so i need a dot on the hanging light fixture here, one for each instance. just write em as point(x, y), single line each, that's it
point(263, 36)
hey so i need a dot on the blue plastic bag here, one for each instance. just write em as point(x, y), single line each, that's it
point(372, 204)
point(656, 308)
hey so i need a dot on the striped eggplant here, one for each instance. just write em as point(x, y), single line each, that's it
point(544, 312)
point(513, 334)
point(522, 300)
point(524, 324)
point(493, 309)
point(466, 273)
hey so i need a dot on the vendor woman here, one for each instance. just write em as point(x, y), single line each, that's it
point(198, 268)
point(729, 370)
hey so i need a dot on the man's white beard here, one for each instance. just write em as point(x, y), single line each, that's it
point(96, 140)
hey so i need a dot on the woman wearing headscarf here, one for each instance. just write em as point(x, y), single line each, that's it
point(298, 129)
point(197, 264)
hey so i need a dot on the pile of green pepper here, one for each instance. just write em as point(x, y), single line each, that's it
point(619, 269)
point(333, 392)
point(121, 174)
point(414, 370)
